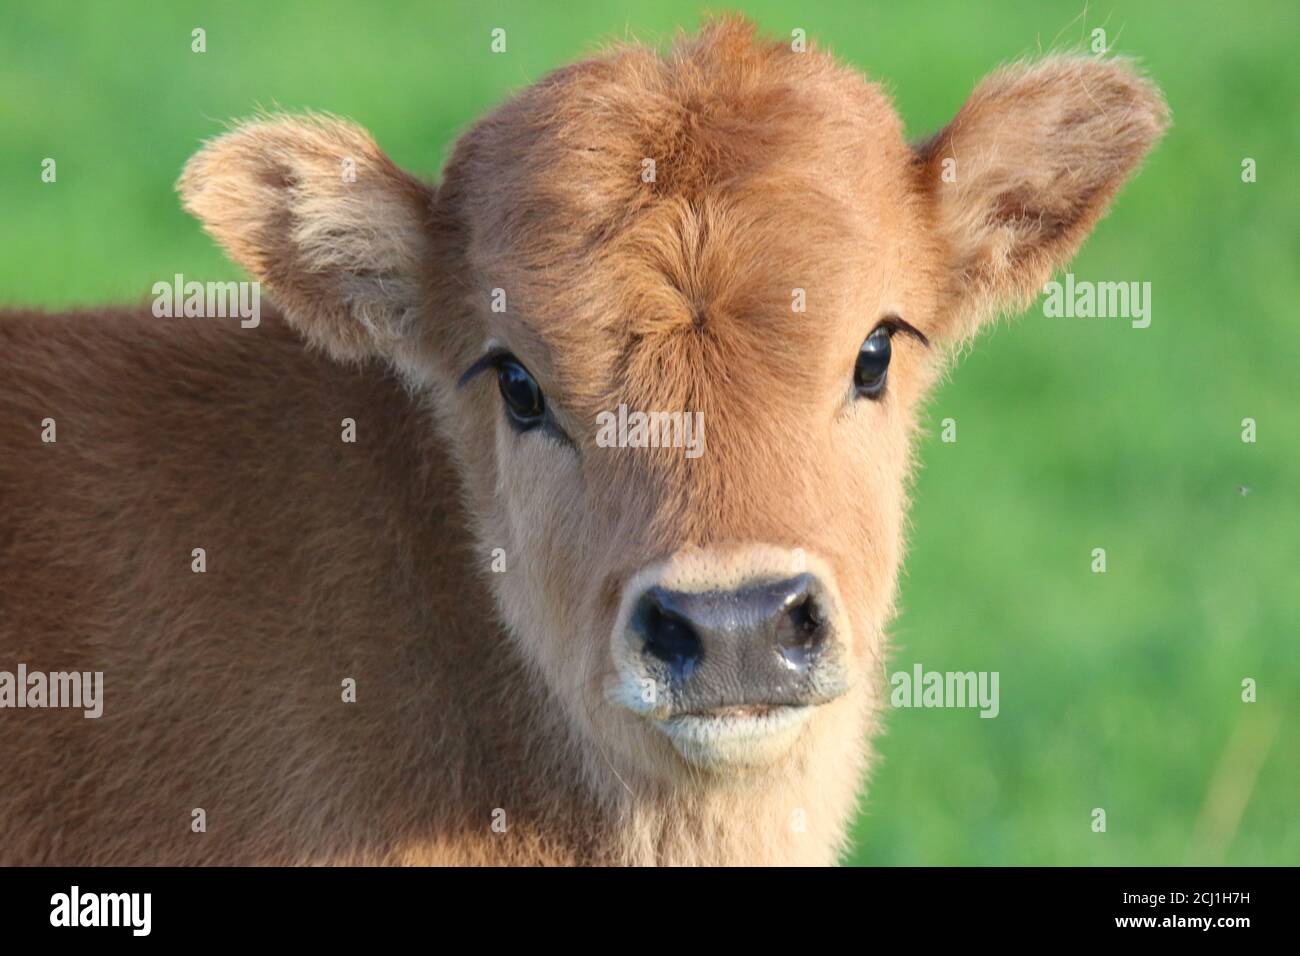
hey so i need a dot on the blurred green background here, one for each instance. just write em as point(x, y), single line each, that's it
point(1119, 690)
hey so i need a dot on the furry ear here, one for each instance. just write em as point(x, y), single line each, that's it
point(313, 209)
point(1023, 172)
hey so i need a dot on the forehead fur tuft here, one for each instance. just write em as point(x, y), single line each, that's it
point(670, 201)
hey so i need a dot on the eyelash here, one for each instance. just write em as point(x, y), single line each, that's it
point(895, 324)
point(491, 360)
point(494, 359)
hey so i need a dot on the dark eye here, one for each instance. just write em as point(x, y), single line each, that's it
point(522, 395)
point(873, 364)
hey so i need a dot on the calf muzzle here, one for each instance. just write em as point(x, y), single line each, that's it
point(758, 647)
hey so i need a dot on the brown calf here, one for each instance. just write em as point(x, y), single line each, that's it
point(565, 646)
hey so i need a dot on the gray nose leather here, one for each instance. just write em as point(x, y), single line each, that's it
point(766, 644)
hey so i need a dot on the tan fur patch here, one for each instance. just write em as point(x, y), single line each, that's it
point(483, 692)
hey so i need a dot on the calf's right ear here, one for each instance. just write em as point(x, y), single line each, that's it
point(335, 231)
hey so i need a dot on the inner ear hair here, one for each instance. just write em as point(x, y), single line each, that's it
point(1024, 171)
point(313, 209)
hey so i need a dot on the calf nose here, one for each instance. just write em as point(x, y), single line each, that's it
point(764, 644)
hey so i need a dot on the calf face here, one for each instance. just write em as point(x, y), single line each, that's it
point(733, 236)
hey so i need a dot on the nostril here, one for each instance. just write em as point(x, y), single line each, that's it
point(741, 643)
point(669, 638)
point(800, 632)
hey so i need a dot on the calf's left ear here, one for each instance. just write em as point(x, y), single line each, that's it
point(1023, 172)
point(311, 208)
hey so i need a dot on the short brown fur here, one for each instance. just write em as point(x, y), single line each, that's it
point(480, 692)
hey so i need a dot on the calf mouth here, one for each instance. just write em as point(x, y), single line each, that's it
point(728, 654)
point(735, 738)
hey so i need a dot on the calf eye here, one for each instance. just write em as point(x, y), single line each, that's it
point(522, 395)
point(873, 363)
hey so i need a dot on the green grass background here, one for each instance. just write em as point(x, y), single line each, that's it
point(1118, 690)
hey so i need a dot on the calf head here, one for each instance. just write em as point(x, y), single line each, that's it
point(733, 235)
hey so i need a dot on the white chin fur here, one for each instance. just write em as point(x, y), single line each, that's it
point(732, 742)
